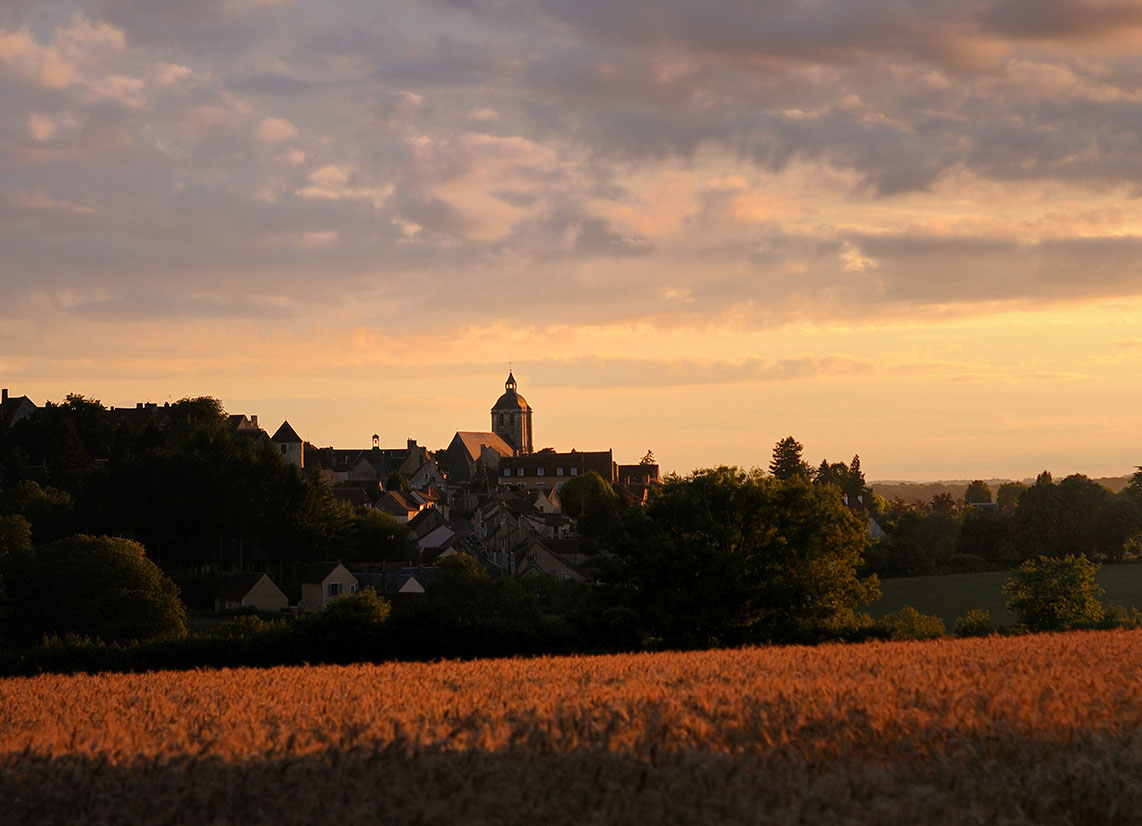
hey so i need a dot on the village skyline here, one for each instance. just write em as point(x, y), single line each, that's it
point(309, 427)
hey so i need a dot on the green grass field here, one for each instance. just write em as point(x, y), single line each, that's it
point(953, 595)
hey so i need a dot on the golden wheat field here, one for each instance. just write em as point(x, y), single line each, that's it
point(1043, 729)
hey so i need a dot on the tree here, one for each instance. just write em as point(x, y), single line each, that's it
point(50, 512)
point(379, 537)
point(849, 478)
point(943, 503)
point(396, 481)
point(1065, 518)
point(1052, 594)
point(1007, 497)
point(728, 556)
point(98, 586)
point(787, 461)
point(648, 459)
point(590, 499)
point(978, 492)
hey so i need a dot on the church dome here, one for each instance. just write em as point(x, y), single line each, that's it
point(510, 400)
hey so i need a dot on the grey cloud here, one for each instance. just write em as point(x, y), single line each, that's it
point(570, 232)
point(1060, 19)
point(924, 270)
point(151, 303)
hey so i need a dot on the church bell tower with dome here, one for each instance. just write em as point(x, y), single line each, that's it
point(511, 418)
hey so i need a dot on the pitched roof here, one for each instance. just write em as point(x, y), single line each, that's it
point(474, 441)
point(236, 586)
point(318, 571)
point(286, 435)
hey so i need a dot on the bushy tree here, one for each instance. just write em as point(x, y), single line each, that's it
point(1065, 518)
point(728, 556)
point(910, 624)
point(1007, 497)
point(97, 586)
point(978, 492)
point(378, 537)
point(1055, 594)
point(975, 623)
point(49, 512)
point(592, 501)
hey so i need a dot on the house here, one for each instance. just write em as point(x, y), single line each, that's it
point(401, 505)
point(425, 522)
point(356, 496)
point(536, 556)
point(250, 589)
point(548, 470)
point(14, 408)
point(323, 582)
point(395, 579)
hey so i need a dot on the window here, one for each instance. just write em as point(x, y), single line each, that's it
point(352, 589)
point(519, 471)
point(558, 471)
point(539, 471)
point(334, 589)
point(507, 471)
point(285, 449)
point(574, 471)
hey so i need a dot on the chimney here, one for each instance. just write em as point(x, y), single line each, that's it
point(5, 391)
point(254, 421)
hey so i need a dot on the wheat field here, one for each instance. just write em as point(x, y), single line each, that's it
point(1041, 729)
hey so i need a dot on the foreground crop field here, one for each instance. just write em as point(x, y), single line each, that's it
point(1044, 729)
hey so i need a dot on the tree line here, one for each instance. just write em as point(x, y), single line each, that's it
point(721, 556)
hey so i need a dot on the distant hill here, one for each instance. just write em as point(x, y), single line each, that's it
point(925, 491)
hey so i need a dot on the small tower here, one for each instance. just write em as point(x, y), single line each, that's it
point(511, 418)
point(290, 444)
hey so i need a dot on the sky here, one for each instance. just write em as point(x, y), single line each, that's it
point(908, 230)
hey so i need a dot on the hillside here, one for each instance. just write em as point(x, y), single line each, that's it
point(925, 491)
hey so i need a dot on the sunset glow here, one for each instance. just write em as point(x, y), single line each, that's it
point(909, 230)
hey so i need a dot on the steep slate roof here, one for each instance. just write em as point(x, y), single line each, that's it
point(16, 407)
point(236, 586)
point(474, 441)
point(353, 495)
point(318, 571)
point(286, 435)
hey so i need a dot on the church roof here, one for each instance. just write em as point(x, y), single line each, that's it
point(474, 441)
point(511, 400)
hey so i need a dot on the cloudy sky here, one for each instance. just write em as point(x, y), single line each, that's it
point(908, 229)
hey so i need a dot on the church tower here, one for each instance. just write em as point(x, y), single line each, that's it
point(511, 418)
